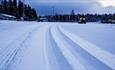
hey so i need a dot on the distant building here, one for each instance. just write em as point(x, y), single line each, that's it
point(7, 17)
point(43, 19)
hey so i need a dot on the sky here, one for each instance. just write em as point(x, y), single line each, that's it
point(46, 7)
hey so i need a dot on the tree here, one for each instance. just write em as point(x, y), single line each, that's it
point(15, 3)
point(30, 13)
point(10, 7)
point(34, 14)
point(72, 16)
point(4, 6)
point(20, 8)
point(1, 6)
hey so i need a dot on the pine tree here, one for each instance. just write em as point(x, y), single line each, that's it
point(34, 14)
point(10, 7)
point(28, 12)
point(20, 8)
point(72, 16)
point(15, 3)
point(4, 6)
point(15, 9)
point(1, 7)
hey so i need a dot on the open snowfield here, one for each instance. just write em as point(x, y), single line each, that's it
point(56, 46)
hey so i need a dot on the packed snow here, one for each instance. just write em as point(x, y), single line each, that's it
point(56, 46)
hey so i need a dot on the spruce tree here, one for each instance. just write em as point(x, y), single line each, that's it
point(20, 8)
point(10, 7)
point(72, 16)
point(34, 14)
point(4, 6)
point(15, 3)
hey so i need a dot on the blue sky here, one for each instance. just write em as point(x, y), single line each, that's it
point(45, 7)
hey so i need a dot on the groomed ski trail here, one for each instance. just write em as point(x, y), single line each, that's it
point(48, 46)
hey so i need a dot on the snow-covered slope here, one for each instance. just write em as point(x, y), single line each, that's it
point(49, 46)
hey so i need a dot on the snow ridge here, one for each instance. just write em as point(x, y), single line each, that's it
point(102, 55)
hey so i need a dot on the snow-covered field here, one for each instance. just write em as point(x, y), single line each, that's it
point(56, 46)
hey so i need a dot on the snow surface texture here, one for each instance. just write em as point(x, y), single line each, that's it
point(49, 46)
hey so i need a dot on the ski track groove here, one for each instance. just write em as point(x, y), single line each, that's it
point(9, 54)
point(33, 48)
point(58, 61)
point(108, 60)
point(88, 60)
point(23, 47)
point(76, 65)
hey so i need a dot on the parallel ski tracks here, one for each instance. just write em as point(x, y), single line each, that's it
point(61, 50)
point(12, 49)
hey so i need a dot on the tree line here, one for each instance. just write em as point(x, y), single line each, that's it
point(72, 17)
point(18, 9)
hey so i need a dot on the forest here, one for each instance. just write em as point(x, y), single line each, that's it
point(18, 9)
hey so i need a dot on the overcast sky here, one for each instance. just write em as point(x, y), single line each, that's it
point(45, 7)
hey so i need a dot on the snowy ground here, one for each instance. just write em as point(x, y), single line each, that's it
point(49, 46)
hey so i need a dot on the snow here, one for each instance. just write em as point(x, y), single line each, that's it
point(56, 46)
